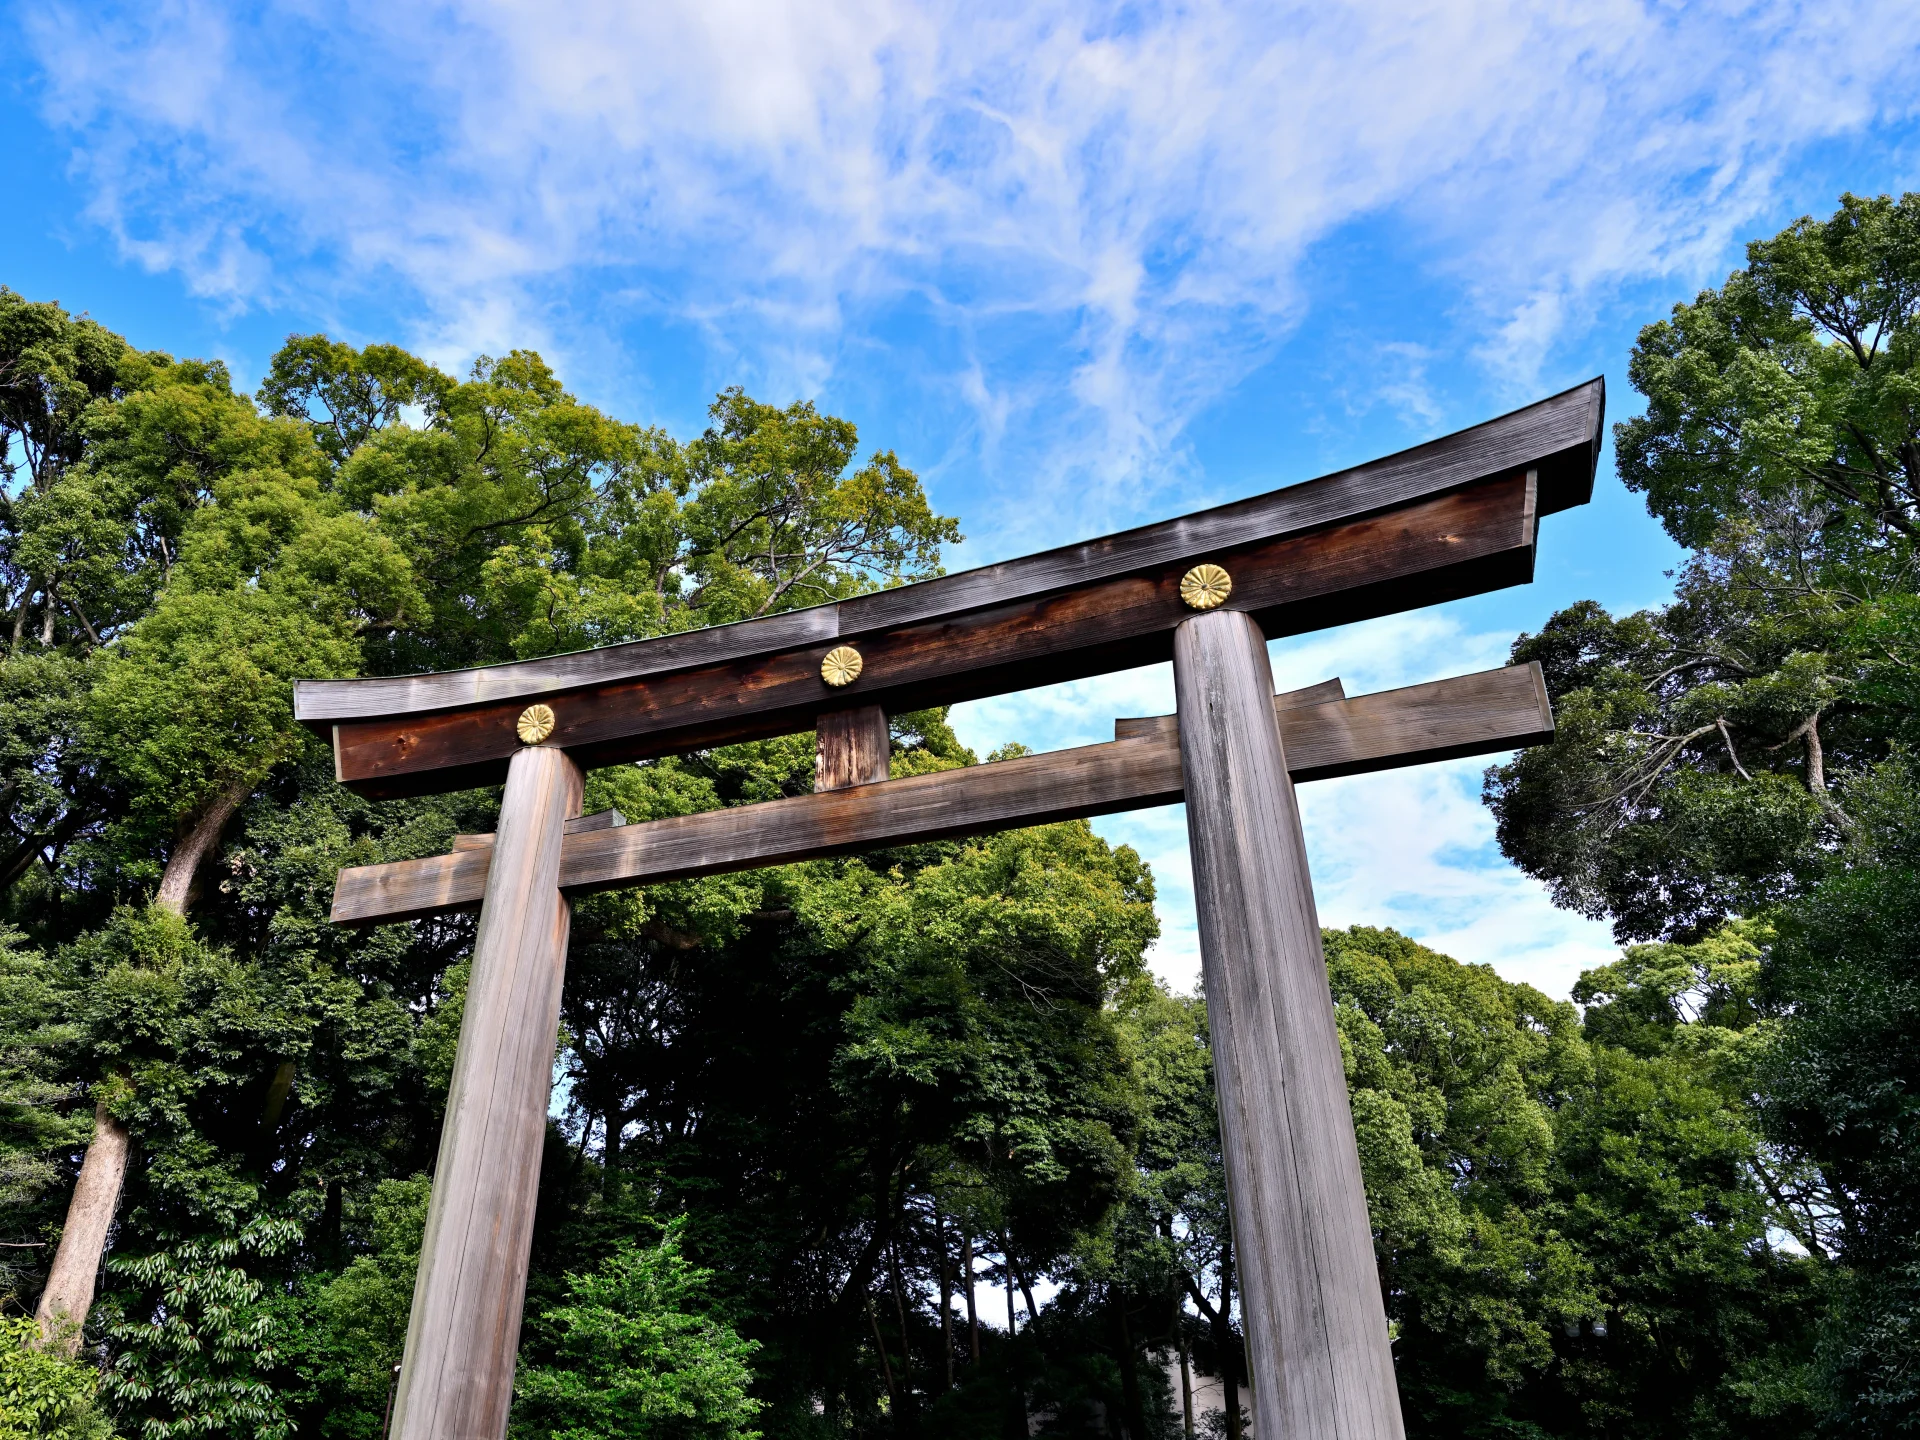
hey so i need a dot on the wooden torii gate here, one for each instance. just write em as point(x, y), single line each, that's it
point(1454, 517)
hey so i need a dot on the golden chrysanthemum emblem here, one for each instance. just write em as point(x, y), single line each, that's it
point(842, 666)
point(535, 724)
point(1205, 586)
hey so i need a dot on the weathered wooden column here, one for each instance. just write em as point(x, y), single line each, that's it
point(457, 1380)
point(851, 747)
point(1316, 1330)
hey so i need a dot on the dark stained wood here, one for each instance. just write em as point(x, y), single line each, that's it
point(1317, 1342)
point(851, 748)
point(1559, 438)
point(1473, 714)
point(456, 1382)
point(1437, 549)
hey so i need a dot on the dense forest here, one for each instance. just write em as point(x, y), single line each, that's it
point(794, 1108)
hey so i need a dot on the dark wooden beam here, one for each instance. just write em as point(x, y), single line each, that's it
point(1558, 438)
point(1471, 715)
point(1460, 543)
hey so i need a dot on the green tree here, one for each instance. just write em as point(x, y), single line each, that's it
point(45, 1395)
point(41, 1116)
point(1732, 754)
point(1840, 1087)
point(638, 1352)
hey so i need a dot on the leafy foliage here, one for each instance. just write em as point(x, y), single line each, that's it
point(638, 1354)
point(194, 1359)
point(45, 1395)
point(801, 1111)
point(1745, 753)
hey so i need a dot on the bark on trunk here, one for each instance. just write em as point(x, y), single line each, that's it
point(69, 1293)
point(1006, 1254)
point(76, 1265)
point(886, 1365)
point(906, 1346)
point(176, 884)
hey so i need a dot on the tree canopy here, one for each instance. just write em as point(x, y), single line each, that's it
point(913, 1143)
point(1744, 755)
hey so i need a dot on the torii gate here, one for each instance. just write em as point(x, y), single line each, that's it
point(1457, 516)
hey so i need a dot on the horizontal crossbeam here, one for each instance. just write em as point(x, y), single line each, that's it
point(1455, 517)
point(1471, 715)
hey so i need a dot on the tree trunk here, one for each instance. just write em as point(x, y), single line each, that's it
point(946, 1290)
point(76, 1265)
point(886, 1365)
point(1006, 1254)
point(1026, 1291)
point(906, 1346)
point(615, 1125)
point(1129, 1373)
point(69, 1293)
point(973, 1316)
point(1022, 1422)
point(190, 851)
point(1223, 1342)
point(1186, 1371)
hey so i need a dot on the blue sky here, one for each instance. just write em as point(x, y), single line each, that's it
point(1082, 266)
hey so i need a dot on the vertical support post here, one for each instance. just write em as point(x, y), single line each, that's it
point(1316, 1328)
point(851, 748)
point(456, 1382)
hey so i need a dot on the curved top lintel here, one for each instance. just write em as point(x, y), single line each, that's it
point(1559, 437)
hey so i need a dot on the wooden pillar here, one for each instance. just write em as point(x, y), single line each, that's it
point(852, 748)
point(457, 1379)
point(1316, 1329)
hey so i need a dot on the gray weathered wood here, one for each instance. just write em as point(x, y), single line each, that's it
point(1559, 437)
point(1317, 1345)
point(457, 1379)
point(1133, 727)
point(1469, 715)
point(579, 825)
point(851, 748)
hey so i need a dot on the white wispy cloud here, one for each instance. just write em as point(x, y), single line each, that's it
point(1128, 189)
point(1073, 227)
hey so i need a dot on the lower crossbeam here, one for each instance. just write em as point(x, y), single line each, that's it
point(1470, 715)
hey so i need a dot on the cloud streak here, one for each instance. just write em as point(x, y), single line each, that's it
point(1130, 189)
point(1052, 236)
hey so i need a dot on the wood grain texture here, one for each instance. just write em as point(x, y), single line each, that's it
point(599, 820)
point(1317, 1345)
point(1472, 714)
point(851, 747)
point(1558, 437)
point(1437, 549)
point(1133, 727)
point(456, 1382)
